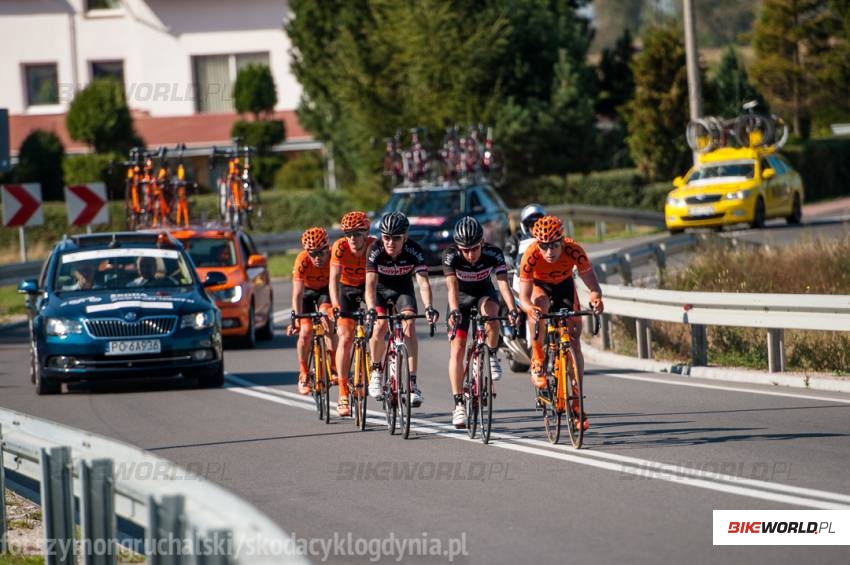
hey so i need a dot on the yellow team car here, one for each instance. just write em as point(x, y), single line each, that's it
point(733, 186)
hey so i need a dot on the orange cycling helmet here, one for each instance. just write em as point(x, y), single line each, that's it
point(314, 238)
point(548, 229)
point(354, 221)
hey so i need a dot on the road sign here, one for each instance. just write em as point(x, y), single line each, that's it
point(22, 205)
point(86, 204)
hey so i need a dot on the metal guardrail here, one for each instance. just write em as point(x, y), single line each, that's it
point(186, 518)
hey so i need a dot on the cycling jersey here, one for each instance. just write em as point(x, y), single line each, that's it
point(395, 276)
point(352, 267)
point(314, 277)
point(534, 267)
point(474, 279)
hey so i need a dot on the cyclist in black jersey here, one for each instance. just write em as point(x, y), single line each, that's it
point(469, 265)
point(391, 263)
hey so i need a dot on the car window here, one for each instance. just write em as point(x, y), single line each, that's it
point(476, 206)
point(249, 244)
point(765, 164)
point(211, 251)
point(427, 203)
point(723, 171)
point(246, 250)
point(777, 164)
point(494, 197)
point(121, 268)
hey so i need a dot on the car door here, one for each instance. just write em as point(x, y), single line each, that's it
point(780, 186)
point(487, 209)
point(259, 276)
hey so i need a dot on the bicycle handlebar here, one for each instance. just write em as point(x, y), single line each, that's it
point(474, 318)
point(565, 313)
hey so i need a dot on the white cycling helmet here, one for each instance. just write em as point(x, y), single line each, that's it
point(529, 215)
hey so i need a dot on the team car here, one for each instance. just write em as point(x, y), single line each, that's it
point(124, 304)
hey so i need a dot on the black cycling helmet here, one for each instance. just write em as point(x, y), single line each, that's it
point(394, 223)
point(468, 232)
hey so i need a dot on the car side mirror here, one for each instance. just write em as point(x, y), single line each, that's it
point(28, 286)
point(215, 278)
point(678, 182)
point(768, 174)
point(257, 261)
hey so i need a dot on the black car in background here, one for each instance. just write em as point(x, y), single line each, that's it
point(434, 209)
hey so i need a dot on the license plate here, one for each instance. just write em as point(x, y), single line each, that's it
point(701, 211)
point(133, 347)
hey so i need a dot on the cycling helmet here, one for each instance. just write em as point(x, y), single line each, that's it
point(468, 232)
point(314, 238)
point(394, 223)
point(529, 215)
point(548, 229)
point(354, 221)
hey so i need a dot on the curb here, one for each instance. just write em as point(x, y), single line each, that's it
point(808, 381)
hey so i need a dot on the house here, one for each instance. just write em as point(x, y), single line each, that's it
point(177, 60)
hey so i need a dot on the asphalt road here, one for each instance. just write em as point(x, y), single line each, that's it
point(662, 453)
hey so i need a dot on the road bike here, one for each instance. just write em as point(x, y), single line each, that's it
point(358, 380)
point(238, 193)
point(559, 364)
point(397, 384)
point(181, 204)
point(319, 363)
point(479, 392)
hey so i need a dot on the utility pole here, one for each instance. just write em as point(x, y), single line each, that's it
point(692, 62)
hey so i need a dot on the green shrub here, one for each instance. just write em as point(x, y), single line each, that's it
point(302, 171)
point(261, 135)
point(81, 169)
point(100, 117)
point(254, 90)
point(40, 160)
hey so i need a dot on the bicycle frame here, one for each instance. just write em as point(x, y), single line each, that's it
point(321, 362)
point(359, 367)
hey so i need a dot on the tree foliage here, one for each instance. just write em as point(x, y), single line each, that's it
point(732, 86)
point(100, 117)
point(40, 160)
point(656, 117)
point(368, 67)
point(616, 84)
point(255, 91)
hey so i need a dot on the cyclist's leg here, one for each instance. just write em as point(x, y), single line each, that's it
point(349, 302)
point(330, 337)
point(406, 304)
point(540, 298)
point(458, 349)
point(489, 306)
point(377, 345)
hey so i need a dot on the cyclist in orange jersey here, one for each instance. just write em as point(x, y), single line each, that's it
point(546, 284)
point(309, 292)
point(347, 283)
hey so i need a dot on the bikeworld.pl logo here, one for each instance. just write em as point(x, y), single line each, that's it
point(781, 527)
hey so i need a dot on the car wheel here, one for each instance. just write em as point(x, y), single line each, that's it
point(675, 231)
point(796, 211)
point(212, 379)
point(43, 386)
point(517, 367)
point(758, 214)
point(250, 339)
point(266, 333)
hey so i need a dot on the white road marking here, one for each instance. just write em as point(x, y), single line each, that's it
point(774, 492)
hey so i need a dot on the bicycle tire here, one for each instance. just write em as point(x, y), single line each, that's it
point(700, 136)
point(575, 399)
point(326, 383)
point(470, 396)
point(359, 384)
point(403, 389)
point(485, 395)
point(389, 401)
point(551, 414)
point(314, 380)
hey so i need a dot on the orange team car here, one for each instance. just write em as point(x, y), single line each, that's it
point(246, 300)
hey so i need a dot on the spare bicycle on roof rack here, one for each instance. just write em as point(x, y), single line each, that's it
point(238, 192)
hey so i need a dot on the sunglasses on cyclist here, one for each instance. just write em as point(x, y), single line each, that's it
point(318, 252)
point(392, 237)
point(549, 246)
point(475, 247)
point(354, 233)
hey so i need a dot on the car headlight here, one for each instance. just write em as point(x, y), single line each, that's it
point(63, 326)
point(232, 295)
point(441, 235)
point(198, 320)
point(674, 202)
point(739, 195)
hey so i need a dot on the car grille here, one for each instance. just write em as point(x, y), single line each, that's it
point(146, 327)
point(703, 199)
point(700, 218)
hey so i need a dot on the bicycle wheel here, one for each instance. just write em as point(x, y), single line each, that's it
point(389, 401)
point(357, 385)
point(404, 384)
point(551, 415)
point(326, 384)
point(575, 399)
point(470, 396)
point(315, 380)
point(485, 395)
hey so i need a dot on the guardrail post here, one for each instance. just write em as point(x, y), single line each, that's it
point(2, 498)
point(644, 338)
point(569, 227)
point(625, 268)
point(600, 231)
point(660, 260)
point(57, 506)
point(699, 346)
point(167, 530)
point(776, 350)
point(216, 548)
point(605, 330)
point(97, 512)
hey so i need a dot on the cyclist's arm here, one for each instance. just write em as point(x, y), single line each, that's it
point(371, 290)
point(297, 295)
point(592, 283)
point(333, 284)
point(452, 288)
point(424, 288)
point(505, 290)
point(525, 288)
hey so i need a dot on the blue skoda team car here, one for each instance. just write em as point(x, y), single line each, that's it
point(114, 305)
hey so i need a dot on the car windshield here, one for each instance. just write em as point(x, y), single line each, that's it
point(427, 203)
point(210, 251)
point(121, 268)
point(724, 171)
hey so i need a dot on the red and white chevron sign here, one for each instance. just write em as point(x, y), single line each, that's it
point(22, 205)
point(86, 204)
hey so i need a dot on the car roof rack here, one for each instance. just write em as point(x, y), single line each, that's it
point(119, 239)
